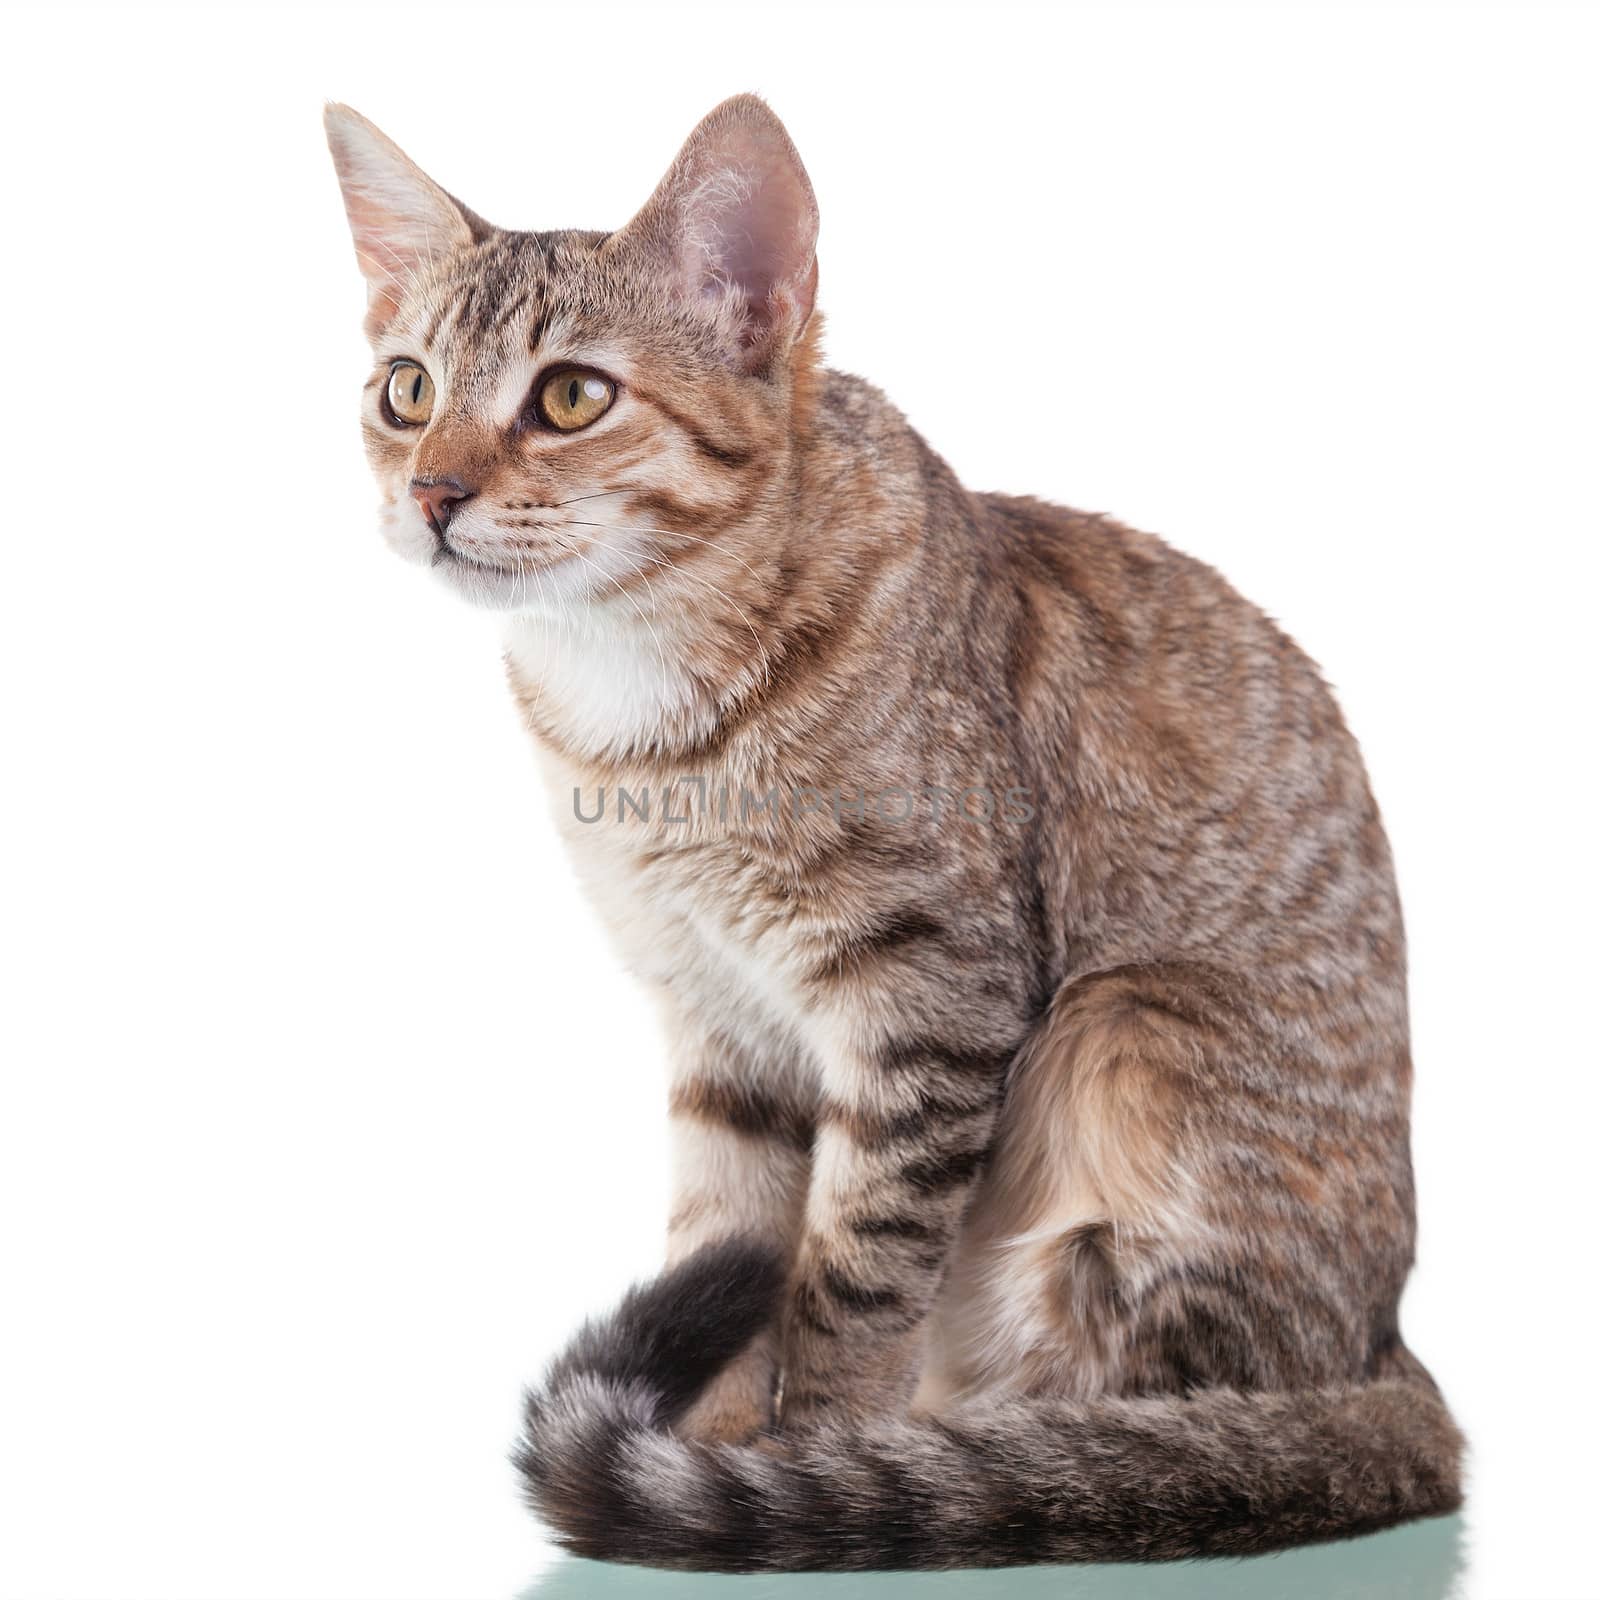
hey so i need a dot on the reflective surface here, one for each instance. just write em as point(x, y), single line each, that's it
point(1425, 1561)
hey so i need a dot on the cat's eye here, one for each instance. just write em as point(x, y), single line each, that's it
point(574, 397)
point(410, 394)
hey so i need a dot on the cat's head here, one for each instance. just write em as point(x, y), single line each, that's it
point(556, 417)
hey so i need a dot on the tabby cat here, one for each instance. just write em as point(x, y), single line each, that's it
point(1019, 914)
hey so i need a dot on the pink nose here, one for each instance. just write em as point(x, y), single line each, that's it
point(439, 498)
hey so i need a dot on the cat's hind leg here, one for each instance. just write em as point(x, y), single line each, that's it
point(1169, 1205)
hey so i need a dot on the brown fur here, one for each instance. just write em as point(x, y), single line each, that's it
point(1078, 1130)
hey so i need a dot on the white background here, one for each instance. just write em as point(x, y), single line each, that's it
point(326, 1112)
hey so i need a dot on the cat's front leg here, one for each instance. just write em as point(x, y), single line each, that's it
point(742, 1127)
point(903, 1130)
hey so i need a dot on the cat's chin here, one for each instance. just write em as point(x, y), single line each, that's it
point(512, 589)
point(494, 588)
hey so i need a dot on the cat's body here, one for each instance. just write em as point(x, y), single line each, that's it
point(1022, 921)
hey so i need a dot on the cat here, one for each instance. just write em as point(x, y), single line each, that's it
point(1021, 920)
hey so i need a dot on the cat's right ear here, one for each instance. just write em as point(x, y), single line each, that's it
point(401, 219)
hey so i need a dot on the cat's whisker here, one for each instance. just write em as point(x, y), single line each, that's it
point(559, 612)
point(578, 499)
point(670, 533)
point(661, 649)
point(695, 577)
point(673, 533)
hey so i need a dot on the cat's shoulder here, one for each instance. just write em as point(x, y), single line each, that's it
point(1044, 530)
point(1124, 580)
point(849, 410)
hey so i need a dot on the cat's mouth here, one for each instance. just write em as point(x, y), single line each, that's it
point(446, 554)
point(505, 580)
point(545, 563)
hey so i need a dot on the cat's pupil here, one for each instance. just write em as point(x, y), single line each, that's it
point(572, 395)
point(416, 388)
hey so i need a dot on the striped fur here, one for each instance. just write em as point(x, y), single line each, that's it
point(1022, 922)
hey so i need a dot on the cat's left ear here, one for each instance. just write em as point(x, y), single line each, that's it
point(401, 219)
point(735, 222)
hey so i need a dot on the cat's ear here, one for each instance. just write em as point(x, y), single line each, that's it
point(735, 221)
point(401, 219)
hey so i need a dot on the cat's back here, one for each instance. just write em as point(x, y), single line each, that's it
point(1212, 792)
point(1119, 604)
point(1193, 769)
point(1164, 638)
point(1135, 601)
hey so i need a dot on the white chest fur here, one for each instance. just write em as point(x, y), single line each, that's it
point(692, 908)
point(608, 682)
point(685, 917)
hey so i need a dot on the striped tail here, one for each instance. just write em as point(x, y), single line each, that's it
point(1008, 1483)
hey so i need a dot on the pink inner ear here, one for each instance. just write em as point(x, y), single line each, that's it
point(397, 234)
point(736, 220)
point(748, 220)
point(388, 253)
point(760, 245)
point(400, 219)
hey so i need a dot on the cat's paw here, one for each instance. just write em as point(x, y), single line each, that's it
point(735, 1406)
point(802, 1413)
point(723, 1424)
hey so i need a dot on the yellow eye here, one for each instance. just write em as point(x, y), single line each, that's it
point(410, 394)
point(574, 397)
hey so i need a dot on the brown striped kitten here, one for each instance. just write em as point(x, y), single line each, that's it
point(1021, 920)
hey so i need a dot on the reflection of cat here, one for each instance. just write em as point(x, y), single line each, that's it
point(1044, 1188)
point(1424, 1561)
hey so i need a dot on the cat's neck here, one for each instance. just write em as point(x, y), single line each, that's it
point(605, 684)
point(629, 676)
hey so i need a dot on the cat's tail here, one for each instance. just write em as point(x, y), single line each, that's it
point(1214, 1473)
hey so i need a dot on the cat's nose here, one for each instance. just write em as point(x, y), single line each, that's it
point(439, 498)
